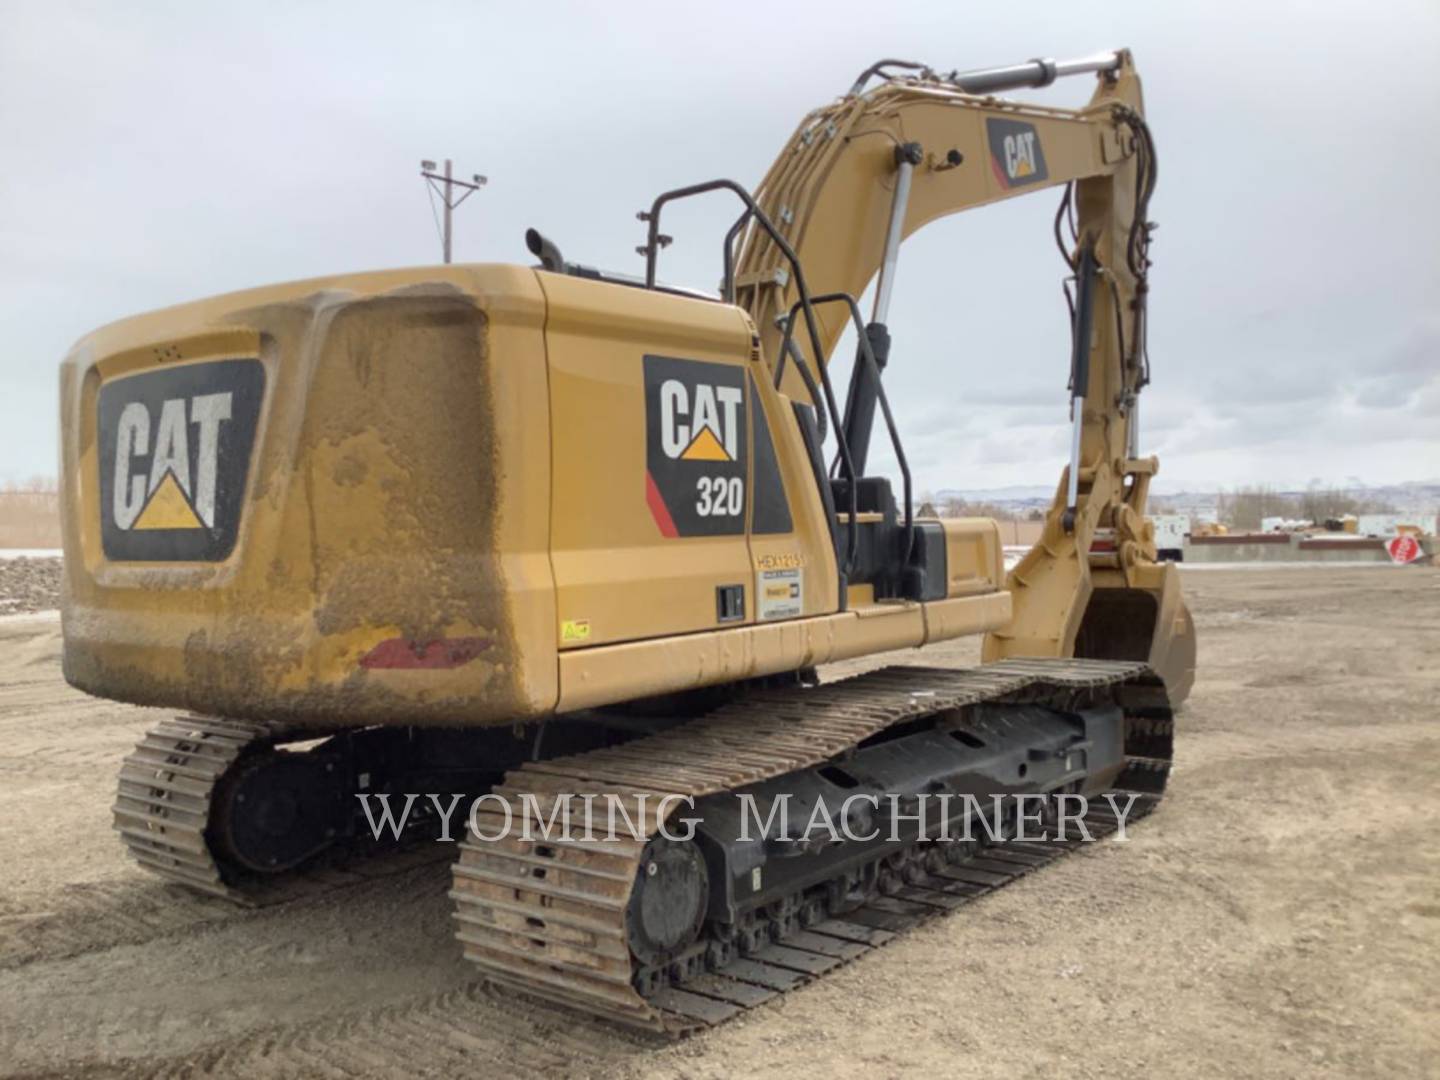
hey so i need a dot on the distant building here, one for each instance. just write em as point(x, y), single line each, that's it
point(1386, 525)
point(1171, 531)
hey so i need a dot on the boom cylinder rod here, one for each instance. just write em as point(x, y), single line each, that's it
point(906, 158)
point(1032, 74)
point(864, 392)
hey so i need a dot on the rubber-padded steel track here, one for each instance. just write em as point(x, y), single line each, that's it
point(166, 798)
point(547, 916)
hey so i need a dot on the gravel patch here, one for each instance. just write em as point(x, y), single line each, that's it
point(28, 585)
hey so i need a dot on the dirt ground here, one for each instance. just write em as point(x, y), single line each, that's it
point(1276, 917)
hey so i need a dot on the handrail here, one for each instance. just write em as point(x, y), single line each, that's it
point(868, 354)
point(654, 241)
point(792, 349)
point(727, 284)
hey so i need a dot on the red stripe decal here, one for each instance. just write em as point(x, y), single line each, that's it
point(999, 172)
point(403, 653)
point(658, 510)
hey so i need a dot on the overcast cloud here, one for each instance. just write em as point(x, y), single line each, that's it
point(155, 153)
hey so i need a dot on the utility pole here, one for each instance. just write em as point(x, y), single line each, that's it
point(435, 180)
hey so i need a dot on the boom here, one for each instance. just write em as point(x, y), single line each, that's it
point(861, 174)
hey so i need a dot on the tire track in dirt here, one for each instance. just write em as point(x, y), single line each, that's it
point(461, 1032)
point(91, 916)
point(254, 994)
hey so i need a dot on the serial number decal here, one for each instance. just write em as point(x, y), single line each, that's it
point(785, 560)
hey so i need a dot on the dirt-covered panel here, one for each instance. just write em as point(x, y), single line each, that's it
point(371, 516)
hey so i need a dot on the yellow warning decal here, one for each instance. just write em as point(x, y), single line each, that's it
point(575, 630)
point(167, 508)
point(705, 447)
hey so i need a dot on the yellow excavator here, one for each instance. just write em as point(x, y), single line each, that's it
point(532, 534)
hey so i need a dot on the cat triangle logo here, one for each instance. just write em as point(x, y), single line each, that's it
point(1016, 156)
point(167, 508)
point(705, 447)
point(174, 447)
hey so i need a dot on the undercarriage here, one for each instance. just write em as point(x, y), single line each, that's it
point(764, 843)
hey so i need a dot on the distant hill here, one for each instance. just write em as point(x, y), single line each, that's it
point(1414, 493)
point(1417, 497)
point(1019, 493)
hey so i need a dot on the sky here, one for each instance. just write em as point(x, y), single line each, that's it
point(160, 152)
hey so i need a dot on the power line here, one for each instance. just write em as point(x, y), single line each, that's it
point(435, 181)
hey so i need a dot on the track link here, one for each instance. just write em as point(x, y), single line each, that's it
point(166, 799)
point(547, 917)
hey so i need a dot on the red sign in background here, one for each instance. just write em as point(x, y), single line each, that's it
point(1403, 549)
